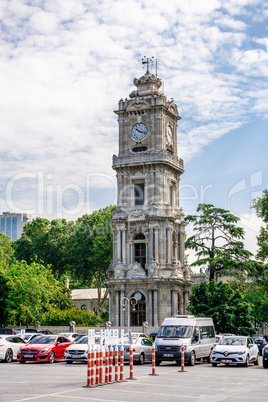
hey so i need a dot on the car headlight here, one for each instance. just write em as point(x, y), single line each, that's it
point(241, 353)
point(214, 352)
point(44, 351)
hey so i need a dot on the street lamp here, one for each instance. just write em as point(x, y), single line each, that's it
point(128, 302)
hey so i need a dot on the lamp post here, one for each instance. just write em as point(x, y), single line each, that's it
point(128, 302)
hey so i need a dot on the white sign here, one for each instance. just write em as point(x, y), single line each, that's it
point(91, 337)
point(122, 336)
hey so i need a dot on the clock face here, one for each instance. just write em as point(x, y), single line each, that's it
point(139, 131)
point(138, 296)
point(169, 134)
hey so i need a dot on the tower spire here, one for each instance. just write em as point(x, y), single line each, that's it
point(150, 62)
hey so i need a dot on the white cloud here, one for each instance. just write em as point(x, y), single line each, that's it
point(67, 63)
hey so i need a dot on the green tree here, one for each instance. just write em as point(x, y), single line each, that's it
point(30, 290)
point(217, 242)
point(6, 249)
point(228, 308)
point(261, 207)
point(90, 249)
point(45, 242)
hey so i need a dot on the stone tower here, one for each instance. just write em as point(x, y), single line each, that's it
point(148, 274)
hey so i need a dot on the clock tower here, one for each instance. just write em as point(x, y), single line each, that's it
point(148, 273)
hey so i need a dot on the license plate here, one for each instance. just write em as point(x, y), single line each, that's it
point(168, 355)
point(27, 356)
point(226, 361)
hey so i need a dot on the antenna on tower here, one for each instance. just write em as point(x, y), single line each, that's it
point(150, 62)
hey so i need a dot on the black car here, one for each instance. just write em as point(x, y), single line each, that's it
point(265, 357)
point(260, 342)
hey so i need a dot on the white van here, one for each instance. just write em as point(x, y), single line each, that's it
point(195, 333)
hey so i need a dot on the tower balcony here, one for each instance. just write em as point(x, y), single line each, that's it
point(155, 157)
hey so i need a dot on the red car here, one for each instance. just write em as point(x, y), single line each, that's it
point(46, 348)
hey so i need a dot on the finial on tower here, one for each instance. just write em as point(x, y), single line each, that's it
point(150, 61)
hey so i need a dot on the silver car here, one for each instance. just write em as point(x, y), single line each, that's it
point(235, 350)
point(142, 349)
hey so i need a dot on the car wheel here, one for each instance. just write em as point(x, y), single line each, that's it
point(257, 360)
point(214, 364)
point(158, 362)
point(9, 356)
point(264, 363)
point(69, 361)
point(209, 357)
point(141, 359)
point(246, 364)
point(51, 358)
point(191, 361)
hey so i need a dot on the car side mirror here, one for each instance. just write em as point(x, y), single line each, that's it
point(250, 345)
point(58, 343)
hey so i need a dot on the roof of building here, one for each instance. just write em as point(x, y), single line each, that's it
point(86, 294)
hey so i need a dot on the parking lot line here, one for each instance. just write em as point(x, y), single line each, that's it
point(165, 395)
point(43, 395)
point(179, 386)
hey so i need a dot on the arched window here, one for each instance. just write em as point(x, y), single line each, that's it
point(140, 249)
point(138, 311)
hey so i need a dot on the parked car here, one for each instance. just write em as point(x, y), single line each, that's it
point(235, 350)
point(8, 331)
point(260, 342)
point(142, 350)
point(78, 351)
point(44, 348)
point(28, 337)
point(9, 346)
point(38, 331)
point(70, 335)
point(265, 357)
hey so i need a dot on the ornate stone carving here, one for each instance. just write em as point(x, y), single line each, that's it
point(119, 270)
point(135, 271)
point(137, 215)
point(152, 269)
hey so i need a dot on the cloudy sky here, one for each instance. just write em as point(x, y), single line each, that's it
point(64, 64)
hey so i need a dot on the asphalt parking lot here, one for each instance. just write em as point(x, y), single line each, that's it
point(61, 382)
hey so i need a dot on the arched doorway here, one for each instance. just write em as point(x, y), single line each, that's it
point(140, 249)
point(138, 312)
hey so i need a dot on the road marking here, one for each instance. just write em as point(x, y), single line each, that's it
point(179, 386)
point(165, 395)
point(43, 395)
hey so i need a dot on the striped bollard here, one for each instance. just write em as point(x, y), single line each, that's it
point(93, 358)
point(131, 374)
point(182, 358)
point(98, 365)
point(89, 367)
point(122, 363)
point(111, 364)
point(153, 360)
point(116, 375)
point(106, 364)
point(101, 365)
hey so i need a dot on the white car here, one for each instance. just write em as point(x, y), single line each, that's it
point(78, 352)
point(9, 346)
point(70, 335)
point(235, 350)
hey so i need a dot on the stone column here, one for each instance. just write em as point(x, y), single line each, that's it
point(186, 302)
point(150, 308)
point(151, 245)
point(119, 245)
point(122, 321)
point(131, 253)
point(116, 308)
point(169, 244)
point(155, 308)
point(110, 305)
point(181, 307)
point(124, 246)
point(174, 302)
point(181, 245)
point(156, 257)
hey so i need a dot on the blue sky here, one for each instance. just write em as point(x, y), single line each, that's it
point(64, 65)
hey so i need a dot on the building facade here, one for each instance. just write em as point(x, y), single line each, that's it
point(148, 279)
point(12, 224)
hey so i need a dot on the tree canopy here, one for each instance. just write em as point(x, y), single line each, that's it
point(217, 241)
point(261, 207)
point(228, 307)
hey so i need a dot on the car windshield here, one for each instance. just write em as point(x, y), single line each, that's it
point(175, 331)
point(43, 339)
point(82, 340)
point(260, 339)
point(233, 341)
